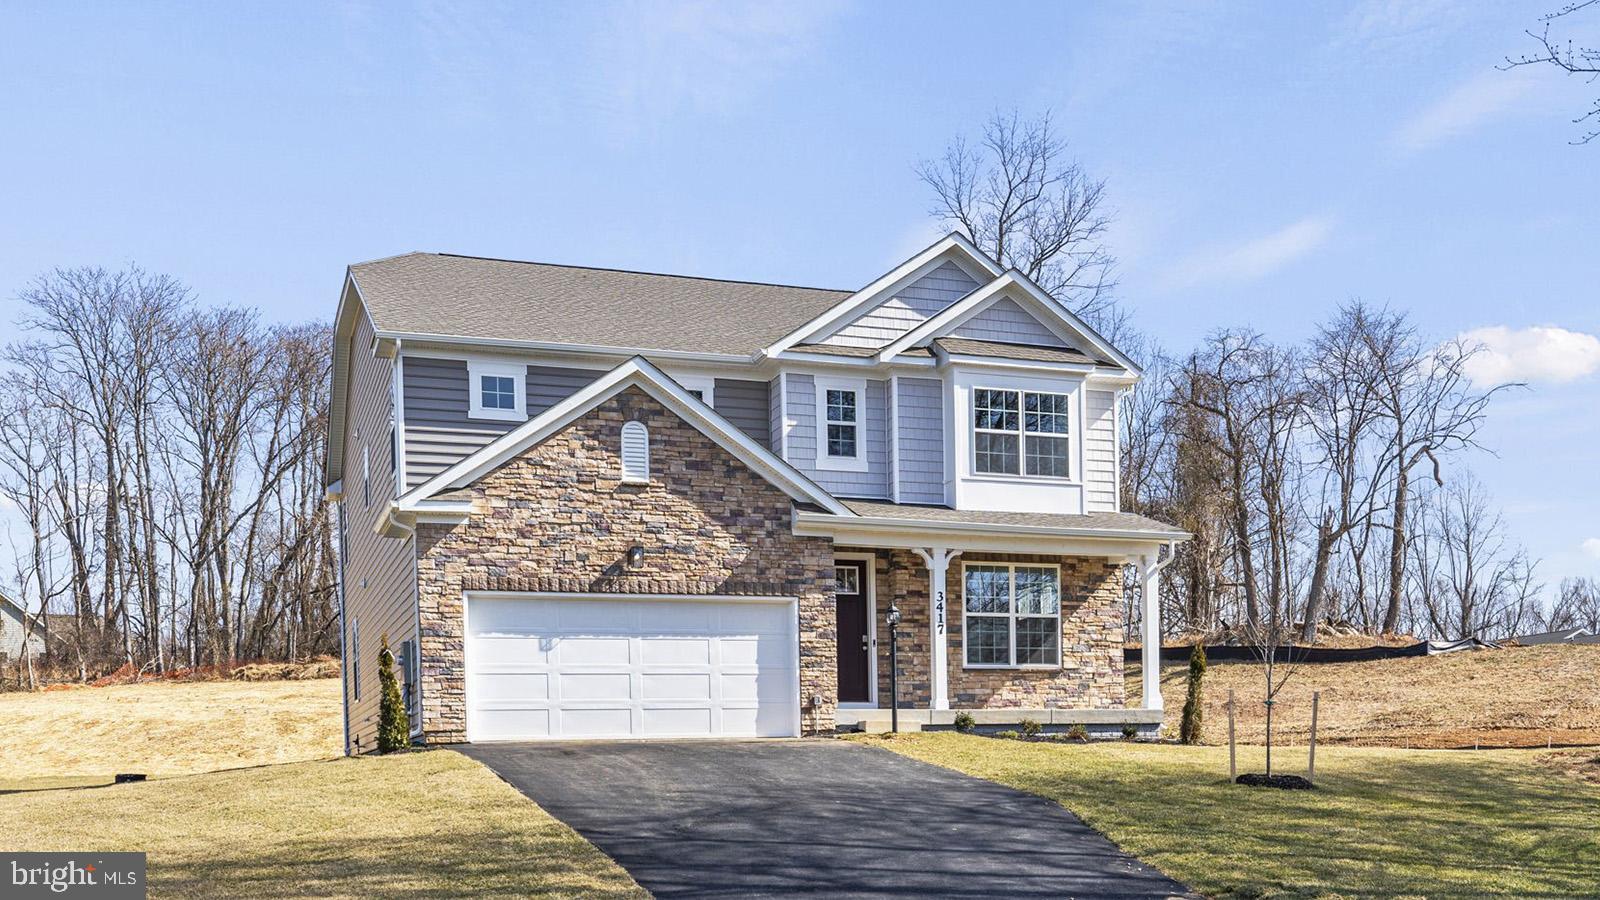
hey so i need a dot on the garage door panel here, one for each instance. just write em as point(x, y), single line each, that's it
point(613, 668)
point(592, 651)
point(512, 685)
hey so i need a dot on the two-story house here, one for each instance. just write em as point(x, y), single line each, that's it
point(587, 503)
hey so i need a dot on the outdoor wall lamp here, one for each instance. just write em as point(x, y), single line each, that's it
point(635, 556)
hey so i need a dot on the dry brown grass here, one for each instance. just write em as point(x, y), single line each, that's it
point(167, 728)
point(432, 824)
point(1517, 697)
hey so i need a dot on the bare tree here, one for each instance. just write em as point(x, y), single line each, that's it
point(1577, 605)
point(1022, 201)
point(1567, 56)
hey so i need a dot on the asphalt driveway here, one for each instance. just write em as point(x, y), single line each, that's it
point(814, 817)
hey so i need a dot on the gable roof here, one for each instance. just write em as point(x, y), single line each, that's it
point(970, 347)
point(636, 372)
point(475, 297)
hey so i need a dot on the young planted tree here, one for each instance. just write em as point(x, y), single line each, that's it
point(1193, 709)
point(394, 725)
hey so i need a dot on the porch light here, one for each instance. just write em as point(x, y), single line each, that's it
point(893, 620)
point(635, 556)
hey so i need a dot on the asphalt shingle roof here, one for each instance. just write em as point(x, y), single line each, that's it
point(466, 296)
point(1107, 521)
point(969, 347)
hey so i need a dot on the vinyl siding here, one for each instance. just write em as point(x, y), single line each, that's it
point(775, 417)
point(1100, 451)
point(379, 573)
point(1006, 322)
point(438, 432)
point(800, 391)
point(921, 440)
point(906, 309)
point(745, 404)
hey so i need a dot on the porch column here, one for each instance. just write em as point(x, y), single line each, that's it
point(1150, 568)
point(937, 560)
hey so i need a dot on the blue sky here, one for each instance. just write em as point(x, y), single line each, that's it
point(1265, 161)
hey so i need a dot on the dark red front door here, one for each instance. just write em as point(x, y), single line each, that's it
point(854, 661)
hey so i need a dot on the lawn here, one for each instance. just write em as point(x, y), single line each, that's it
point(416, 824)
point(166, 728)
point(1382, 823)
point(1519, 697)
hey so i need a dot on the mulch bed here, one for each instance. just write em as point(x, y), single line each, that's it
point(1286, 782)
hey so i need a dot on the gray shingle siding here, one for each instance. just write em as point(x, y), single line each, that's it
point(1100, 452)
point(745, 404)
point(921, 438)
point(800, 391)
point(1008, 323)
point(438, 432)
point(910, 307)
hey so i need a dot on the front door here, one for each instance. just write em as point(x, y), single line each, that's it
point(854, 643)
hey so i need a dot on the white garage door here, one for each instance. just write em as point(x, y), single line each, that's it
point(587, 667)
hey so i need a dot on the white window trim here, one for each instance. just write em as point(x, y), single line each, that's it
point(857, 463)
point(1012, 616)
point(705, 384)
point(517, 372)
point(1072, 436)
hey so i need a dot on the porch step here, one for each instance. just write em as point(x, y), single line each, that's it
point(877, 720)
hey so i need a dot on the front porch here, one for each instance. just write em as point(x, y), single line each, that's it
point(1099, 723)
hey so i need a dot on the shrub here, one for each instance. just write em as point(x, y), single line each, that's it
point(394, 726)
point(1193, 711)
point(1030, 727)
point(964, 722)
point(1078, 732)
point(1008, 735)
point(1130, 731)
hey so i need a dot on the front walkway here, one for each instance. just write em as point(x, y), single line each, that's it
point(814, 817)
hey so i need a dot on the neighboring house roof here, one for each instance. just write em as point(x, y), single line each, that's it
point(1098, 522)
point(474, 297)
point(15, 610)
point(969, 347)
point(1563, 636)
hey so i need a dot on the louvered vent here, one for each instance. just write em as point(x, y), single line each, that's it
point(635, 452)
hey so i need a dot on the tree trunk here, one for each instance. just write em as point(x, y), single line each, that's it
point(1319, 579)
point(1397, 548)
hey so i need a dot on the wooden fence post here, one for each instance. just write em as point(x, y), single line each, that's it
point(1311, 764)
point(1233, 766)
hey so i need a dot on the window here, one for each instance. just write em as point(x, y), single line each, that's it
point(496, 390)
point(355, 656)
point(846, 580)
point(635, 453)
point(703, 388)
point(1020, 432)
point(366, 476)
point(840, 419)
point(1012, 615)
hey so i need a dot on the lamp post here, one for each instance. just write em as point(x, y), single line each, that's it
point(894, 669)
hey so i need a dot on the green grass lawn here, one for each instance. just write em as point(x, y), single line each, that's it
point(432, 824)
point(1382, 823)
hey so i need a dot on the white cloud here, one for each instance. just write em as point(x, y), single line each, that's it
point(1256, 257)
point(1540, 353)
point(1470, 105)
point(1591, 547)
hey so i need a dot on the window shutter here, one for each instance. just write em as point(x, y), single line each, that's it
point(635, 452)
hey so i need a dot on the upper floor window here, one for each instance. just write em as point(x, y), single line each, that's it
point(635, 453)
point(1020, 433)
point(841, 408)
point(702, 387)
point(497, 390)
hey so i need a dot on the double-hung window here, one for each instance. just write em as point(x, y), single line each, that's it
point(841, 424)
point(1016, 432)
point(496, 390)
point(1012, 615)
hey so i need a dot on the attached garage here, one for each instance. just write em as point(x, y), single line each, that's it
point(542, 667)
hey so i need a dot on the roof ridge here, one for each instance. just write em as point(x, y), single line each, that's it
point(530, 262)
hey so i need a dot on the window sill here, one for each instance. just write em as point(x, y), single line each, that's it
point(497, 415)
point(1000, 478)
point(841, 464)
point(1047, 667)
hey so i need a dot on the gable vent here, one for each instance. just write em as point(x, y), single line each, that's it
point(635, 453)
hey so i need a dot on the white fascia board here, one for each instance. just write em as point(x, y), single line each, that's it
point(923, 530)
point(640, 373)
point(1077, 324)
point(1024, 365)
point(344, 328)
point(558, 347)
point(954, 241)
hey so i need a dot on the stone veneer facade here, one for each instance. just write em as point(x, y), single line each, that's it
point(558, 518)
point(1092, 635)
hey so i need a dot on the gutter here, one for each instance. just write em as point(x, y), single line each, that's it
point(855, 523)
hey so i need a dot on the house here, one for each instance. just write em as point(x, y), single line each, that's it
point(21, 633)
point(589, 503)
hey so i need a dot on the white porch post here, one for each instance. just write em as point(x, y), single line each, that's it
point(937, 560)
point(1150, 589)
